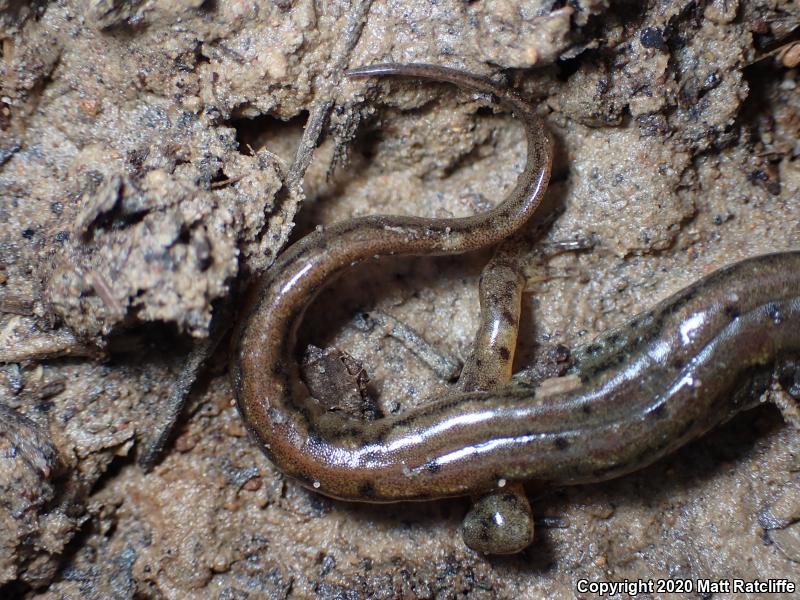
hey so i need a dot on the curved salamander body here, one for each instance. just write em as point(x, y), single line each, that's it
point(336, 454)
point(632, 396)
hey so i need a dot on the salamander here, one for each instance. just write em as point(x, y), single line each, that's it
point(631, 396)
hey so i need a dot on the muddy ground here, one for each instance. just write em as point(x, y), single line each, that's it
point(155, 156)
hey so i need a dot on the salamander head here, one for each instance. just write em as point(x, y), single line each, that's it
point(499, 523)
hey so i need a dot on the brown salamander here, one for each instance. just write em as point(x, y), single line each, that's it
point(632, 395)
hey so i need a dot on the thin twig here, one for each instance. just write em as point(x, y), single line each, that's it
point(322, 107)
point(445, 367)
point(173, 407)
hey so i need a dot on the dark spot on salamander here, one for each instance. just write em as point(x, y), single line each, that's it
point(366, 490)
point(561, 443)
point(486, 527)
point(504, 353)
point(614, 338)
point(677, 364)
point(508, 316)
point(659, 412)
point(433, 467)
point(732, 312)
point(593, 349)
point(587, 409)
point(560, 353)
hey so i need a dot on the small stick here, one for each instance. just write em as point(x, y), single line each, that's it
point(445, 367)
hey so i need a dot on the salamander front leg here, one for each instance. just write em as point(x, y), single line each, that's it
point(500, 522)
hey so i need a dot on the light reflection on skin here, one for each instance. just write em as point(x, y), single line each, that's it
point(296, 277)
point(660, 351)
point(445, 425)
point(495, 332)
point(690, 327)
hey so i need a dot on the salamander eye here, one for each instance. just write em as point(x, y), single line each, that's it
point(499, 523)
